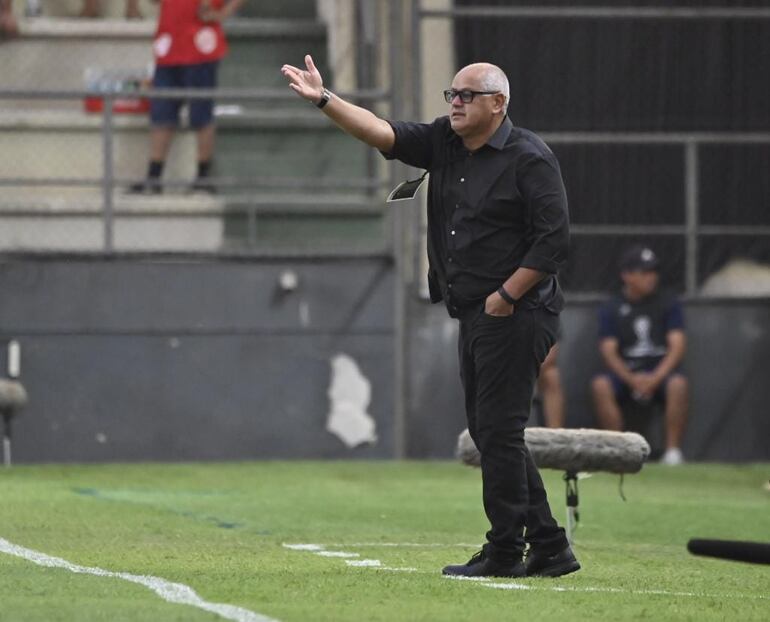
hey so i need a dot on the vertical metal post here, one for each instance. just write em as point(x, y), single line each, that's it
point(398, 249)
point(366, 69)
point(573, 516)
point(417, 215)
point(691, 182)
point(108, 175)
point(251, 226)
point(7, 439)
point(416, 25)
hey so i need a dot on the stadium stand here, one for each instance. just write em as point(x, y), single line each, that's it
point(269, 153)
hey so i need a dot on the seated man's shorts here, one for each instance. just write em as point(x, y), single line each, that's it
point(623, 391)
point(165, 112)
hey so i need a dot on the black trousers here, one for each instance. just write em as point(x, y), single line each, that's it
point(500, 360)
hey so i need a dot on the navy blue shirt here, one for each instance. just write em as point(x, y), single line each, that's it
point(490, 211)
point(641, 327)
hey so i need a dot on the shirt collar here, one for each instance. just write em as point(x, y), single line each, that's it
point(499, 138)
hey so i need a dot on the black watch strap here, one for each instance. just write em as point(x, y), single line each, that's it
point(506, 296)
point(326, 95)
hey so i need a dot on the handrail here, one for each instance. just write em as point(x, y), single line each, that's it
point(598, 12)
point(229, 94)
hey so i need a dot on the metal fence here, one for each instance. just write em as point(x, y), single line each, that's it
point(693, 246)
point(324, 195)
point(237, 198)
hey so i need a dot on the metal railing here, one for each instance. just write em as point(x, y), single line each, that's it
point(108, 181)
point(691, 228)
point(690, 142)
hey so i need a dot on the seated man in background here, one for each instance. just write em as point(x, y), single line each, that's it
point(642, 342)
point(549, 395)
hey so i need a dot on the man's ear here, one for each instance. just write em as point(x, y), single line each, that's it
point(499, 102)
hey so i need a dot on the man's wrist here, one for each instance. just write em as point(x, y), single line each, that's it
point(326, 95)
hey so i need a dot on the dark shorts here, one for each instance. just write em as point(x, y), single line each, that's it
point(166, 111)
point(623, 391)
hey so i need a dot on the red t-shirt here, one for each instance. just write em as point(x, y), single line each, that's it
point(182, 38)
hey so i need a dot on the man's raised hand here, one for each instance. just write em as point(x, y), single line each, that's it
point(306, 83)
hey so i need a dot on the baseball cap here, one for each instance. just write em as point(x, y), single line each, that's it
point(638, 257)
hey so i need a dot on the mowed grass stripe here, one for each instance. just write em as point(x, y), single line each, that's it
point(220, 529)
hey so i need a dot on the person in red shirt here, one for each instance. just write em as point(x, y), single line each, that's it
point(188, 45)
point(8, 25)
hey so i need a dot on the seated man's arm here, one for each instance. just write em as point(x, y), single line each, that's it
point(677, 344)
point(608, 347)
point(356, 121)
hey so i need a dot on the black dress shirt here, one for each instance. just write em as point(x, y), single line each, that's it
point(490, 211)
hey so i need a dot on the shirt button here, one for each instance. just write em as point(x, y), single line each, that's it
point(457, 205)
point(449, 286)
point(462, 179)
point(453, 232)
point(449, 260)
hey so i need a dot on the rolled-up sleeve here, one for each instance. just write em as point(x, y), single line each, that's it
point(541, 186)
point(413, 144)
point(607, 325)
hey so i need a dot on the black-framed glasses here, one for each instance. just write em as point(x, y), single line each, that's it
point(466, 95)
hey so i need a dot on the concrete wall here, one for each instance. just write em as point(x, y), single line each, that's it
point(184, 361)
point(140, 360)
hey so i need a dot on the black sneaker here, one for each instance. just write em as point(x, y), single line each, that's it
point(202, 184)
point(556, 565)
point(481, 566)
point(147, 187)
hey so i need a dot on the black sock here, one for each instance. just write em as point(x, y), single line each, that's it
point(155, 170)
point(204, 168)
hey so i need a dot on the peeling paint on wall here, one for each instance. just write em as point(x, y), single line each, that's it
point(350, 394)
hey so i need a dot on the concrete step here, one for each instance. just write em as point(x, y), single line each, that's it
point(305, 221)
point(55, 53)
point(310, 233)
point(73, 220)
point(285, 8)
point(116, 8)
point(261, 144)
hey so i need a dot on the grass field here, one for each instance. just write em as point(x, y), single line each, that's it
point(222, 530)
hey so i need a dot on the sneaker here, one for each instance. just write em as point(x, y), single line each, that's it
point(672, 457)
point(203, 185)
point(482, 566)
point(556, 565)
point(147, 187)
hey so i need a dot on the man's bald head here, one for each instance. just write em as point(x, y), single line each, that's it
point(489, 77)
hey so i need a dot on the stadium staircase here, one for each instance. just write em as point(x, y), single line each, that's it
point(282, 146)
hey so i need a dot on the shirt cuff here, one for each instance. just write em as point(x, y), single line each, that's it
point(392, 154)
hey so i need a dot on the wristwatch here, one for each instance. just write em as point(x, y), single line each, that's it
point(326, 95)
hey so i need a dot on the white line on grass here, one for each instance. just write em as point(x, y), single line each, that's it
point(538, 585)
point(168, 591)
point(607, 590)
point(440, 545)
point(303, 547)
point(364, 563)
